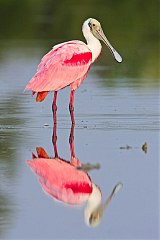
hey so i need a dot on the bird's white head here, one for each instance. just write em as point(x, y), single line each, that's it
point(91, 25)
point(95, 209)
point(93, 203)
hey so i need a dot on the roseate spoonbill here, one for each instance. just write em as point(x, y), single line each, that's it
point(68, 63)
point(63, 181)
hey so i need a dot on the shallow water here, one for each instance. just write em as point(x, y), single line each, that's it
point(114, 118)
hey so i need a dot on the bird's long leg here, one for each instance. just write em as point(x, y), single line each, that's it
point(71, 141)
point(54, 140)
point(71, 106)
point(54, 107)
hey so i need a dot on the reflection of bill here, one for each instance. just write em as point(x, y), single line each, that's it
point(67, 182)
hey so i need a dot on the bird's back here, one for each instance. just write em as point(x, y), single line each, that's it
point(65, 64)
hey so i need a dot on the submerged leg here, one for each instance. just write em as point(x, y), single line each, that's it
point(71, 106)
point(54, 107)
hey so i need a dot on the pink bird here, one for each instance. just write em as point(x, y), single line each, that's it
point(68, 63)
point(67, 182)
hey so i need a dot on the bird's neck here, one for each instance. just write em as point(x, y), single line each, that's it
point(93, 44)
point(93, 202)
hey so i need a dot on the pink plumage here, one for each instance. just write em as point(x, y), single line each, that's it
point(66, 64)
point(62, 180)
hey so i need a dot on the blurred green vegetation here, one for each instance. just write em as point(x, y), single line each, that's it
point(131, 26)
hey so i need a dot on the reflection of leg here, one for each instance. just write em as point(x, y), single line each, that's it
point(54, 140)
point(71, 106)
point(71, 141)
point(54, 107)
point(74, 160)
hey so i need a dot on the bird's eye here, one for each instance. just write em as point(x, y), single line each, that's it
point(94, 25)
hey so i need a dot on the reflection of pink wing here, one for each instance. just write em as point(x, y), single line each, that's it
point(65, 64)
point(62, 180)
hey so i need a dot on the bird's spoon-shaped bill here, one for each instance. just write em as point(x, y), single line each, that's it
point(115, 54)
point(97, 214)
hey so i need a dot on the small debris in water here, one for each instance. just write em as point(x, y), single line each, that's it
point(127, 147)
point(46, 125)
point(144, 147)
point(88, 166)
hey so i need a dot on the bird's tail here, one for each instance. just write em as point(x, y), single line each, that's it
point(41, 96)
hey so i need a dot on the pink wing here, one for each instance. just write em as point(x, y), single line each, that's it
point(65, 64)
point(62, 180)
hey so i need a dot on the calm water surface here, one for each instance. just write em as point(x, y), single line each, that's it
point(114, 118)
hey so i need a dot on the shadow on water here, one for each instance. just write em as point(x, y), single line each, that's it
point(69, 182)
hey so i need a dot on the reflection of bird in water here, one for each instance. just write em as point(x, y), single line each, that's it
point(68, 63)
point(68, 182)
